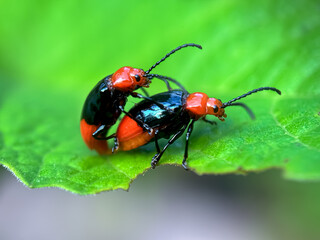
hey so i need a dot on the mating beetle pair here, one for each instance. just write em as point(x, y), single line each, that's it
point(164, 115)
point(107, 99)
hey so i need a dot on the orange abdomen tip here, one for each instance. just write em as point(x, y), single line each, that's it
point(130, 135)
point(101, 146)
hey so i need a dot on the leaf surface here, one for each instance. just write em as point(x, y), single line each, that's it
point(51, 56)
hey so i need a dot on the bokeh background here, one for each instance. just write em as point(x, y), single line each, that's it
point(63, 47)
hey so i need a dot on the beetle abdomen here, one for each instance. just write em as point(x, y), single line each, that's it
point(101, 146)
point(131, 135)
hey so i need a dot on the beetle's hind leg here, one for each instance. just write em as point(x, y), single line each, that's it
point(115, 143)
point(100, 133)
point(156, 158)
point(189, 131)
point(156, 141)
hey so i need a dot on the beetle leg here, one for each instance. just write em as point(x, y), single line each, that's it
point(100, 133)
point(209, 121)
point(189, 131)
point(115, 143)
point(156, 141)
point(114, 136)
point(140, 123)
point(137, 95)
point(157, 157)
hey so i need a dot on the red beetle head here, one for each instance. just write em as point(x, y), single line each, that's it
point(199, 105)
point(128, 79)
point(214, 107)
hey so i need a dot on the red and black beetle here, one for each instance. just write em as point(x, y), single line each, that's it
point(185, 110)
point(106, 101)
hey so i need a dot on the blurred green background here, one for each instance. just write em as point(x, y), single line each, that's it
point(53, 52)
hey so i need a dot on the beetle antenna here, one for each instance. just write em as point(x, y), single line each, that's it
point(249, 111)
point(166, 79)
point(173, 51)
point(248, 93)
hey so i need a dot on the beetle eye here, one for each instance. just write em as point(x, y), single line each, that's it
point(215, 109)
point(137, 77)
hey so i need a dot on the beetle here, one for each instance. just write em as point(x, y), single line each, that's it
point(107, 99)
point(186, 109)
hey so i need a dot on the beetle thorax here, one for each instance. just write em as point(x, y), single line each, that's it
point(196, 105)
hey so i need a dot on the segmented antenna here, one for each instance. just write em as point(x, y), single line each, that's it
point(229, 103)
point(166, 79)
point(173, 51)
point(249, 111)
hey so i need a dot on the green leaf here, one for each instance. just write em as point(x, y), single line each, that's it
point(52, 54)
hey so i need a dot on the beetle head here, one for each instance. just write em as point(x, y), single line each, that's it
point(199, 105)
point(128, 79)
